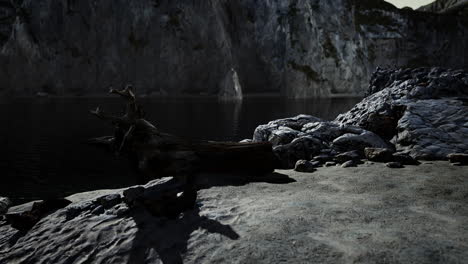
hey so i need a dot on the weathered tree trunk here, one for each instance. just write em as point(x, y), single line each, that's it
point(158, 154)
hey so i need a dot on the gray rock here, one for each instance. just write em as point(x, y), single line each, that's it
point(5, 203)
point(330, 163)
point(299, 148)
point(460, 158)
point(348, 164)
point(378, 154)
point(110, 200)
point(348, 142)
point(246, 141)
point(263, 132)
point(98, 210)
point(323, 158)
point(432, 129)
point(405, 159)
point(231, 88)
point(304, 166)
point(347, 156)
point(394, 165)
point(131, 195)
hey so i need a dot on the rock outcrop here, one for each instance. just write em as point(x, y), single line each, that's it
point(298, 48)
point(418, 113)
point(447, 7)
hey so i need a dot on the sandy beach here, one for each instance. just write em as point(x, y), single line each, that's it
point(368, 214)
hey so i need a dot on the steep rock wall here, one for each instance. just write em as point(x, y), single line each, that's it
point(300, 48)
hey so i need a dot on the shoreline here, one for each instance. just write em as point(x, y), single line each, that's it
point(335, 215)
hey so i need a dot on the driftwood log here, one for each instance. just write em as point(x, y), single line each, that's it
point(157, 154)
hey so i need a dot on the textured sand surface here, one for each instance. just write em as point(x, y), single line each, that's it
point(368, 214)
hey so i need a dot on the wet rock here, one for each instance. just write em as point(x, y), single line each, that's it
point(460, 158)
point(5, 203)
point(305, 166)
point(349, 163)
point(378, 154)
point(394, 165)
point(347, 156)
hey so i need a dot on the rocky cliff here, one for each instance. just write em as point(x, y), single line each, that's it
point(446, 6)
point(300, 48)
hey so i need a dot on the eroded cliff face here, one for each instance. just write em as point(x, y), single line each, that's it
point(300, 48)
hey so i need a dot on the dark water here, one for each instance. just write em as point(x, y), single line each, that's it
point(42, 150)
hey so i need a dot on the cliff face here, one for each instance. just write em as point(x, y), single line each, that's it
point(446, 6)
point(301, 48)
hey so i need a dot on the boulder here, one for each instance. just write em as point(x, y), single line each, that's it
point(420, 113)
point(460, 158)
point(300, 148)
point(347, 156)
point(263, 132)
point(348, 164)
point(5, 203)
point(405, 159)
point(378, 154)
point(110, 200)
point(394, 165)
point(26, 220)
point(432, 129)
point(359, 142)
point(305, 166)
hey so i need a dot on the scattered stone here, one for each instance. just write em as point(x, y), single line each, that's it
point(5, 203)
point(378, 154)
point(458, 158)
point(110, 200)
point(348, 142)
point(323, 158)
point(405, 159)
point(394, 165)
point(347, 156)
point(330, 164)
point(299, 149)
point(26, 220)
point(349, 163)
point(305, 166)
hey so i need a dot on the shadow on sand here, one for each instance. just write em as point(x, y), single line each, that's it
point(167, 239)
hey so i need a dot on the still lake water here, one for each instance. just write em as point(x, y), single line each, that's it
point(43, 154)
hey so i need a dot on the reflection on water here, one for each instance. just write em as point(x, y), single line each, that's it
point(42, 153)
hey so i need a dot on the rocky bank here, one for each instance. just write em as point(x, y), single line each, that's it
point(417, 113)
point(299, 48)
